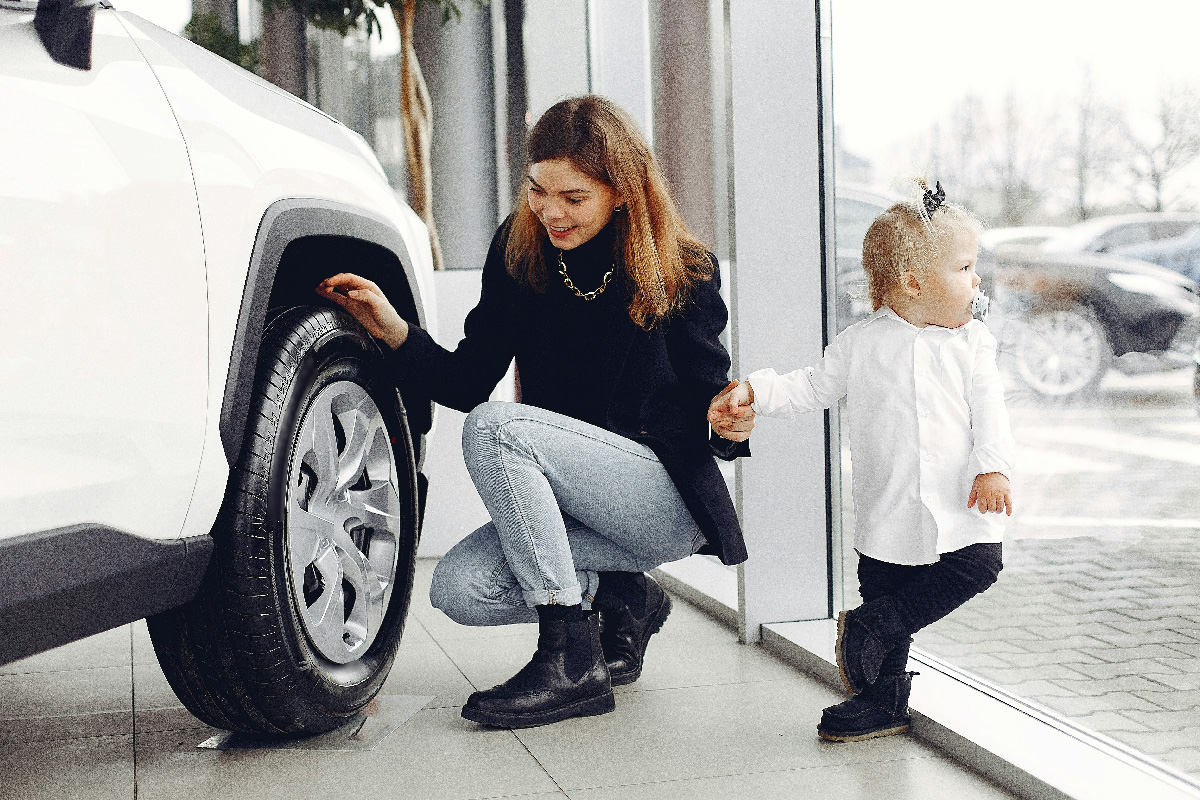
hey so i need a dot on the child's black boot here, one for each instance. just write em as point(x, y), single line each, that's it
point(865, 636)
point(881, 710)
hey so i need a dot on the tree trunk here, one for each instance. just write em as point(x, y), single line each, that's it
point(516, 128)
point(416, 120)
point(283, 48)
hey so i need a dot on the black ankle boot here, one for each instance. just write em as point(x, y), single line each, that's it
point(865, 636)
point(881, 710)
point(633, 608)
point(565, 678)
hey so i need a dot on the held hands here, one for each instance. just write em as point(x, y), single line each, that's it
point(730, 414)
point(990, 492)
point(364, 300)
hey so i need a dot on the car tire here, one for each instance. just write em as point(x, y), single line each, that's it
point(1060, 353)
point(303, 605)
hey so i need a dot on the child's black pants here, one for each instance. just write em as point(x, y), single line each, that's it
point(915, 596)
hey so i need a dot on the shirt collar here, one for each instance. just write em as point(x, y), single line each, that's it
point(885, 311)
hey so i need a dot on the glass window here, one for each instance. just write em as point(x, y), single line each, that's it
point(1095, 613)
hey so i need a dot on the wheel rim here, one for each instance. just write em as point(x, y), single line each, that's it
point(342, 521)
point(1060, 352)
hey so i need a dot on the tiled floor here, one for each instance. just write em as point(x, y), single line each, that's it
point(709, 718)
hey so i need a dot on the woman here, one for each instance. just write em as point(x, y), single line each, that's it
point(605, 469)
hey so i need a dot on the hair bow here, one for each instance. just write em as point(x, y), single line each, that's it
point(933, 200)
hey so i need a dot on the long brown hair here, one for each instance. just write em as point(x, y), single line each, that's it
point(662, 258)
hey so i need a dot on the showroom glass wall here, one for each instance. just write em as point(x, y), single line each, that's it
point(1037, 117)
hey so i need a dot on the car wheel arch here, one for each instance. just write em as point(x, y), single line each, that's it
point(292, 236)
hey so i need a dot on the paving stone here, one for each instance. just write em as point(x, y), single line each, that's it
point(1176, 700)
point(1108, 722)
point(1132, 666)
point(1058, 672)
point(1117, 701)
point(1043, 691)
point(1161, 741)
point(1049, 657)
point(1139, 653)
point(1097, 686)
point(1086, 644)
point(1186, 681)
point(1160, 636)
point(1189, 649)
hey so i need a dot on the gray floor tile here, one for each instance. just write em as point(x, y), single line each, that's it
point(704, 731)
point(151, 690)
point(108, 649)
point(70, 726)
point(143, 648)
point(80, 769)
point(907, 779)
point(423, 668)
point(68, 693)
point(490, 659)
point(692, 650)
point(436, 755)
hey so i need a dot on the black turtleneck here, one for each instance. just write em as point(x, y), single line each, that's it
point(560, 360)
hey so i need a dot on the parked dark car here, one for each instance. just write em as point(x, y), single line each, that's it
point(1062, 318)
point(1111, 233)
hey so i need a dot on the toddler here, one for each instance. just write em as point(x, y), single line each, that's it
point(931, 444)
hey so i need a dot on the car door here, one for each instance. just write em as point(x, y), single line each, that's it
point(104, 325)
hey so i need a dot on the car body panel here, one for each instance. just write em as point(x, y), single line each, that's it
point(253, 146)
point(1110, 233)
point(105, 338)
point(1179, 253)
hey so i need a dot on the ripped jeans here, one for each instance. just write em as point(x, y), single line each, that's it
point(567, 500)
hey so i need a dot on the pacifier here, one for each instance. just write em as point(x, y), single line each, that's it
point(979, 305)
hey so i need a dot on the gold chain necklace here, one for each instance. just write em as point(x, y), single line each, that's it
point(592, 295)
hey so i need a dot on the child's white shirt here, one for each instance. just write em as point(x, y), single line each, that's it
point(927, 415)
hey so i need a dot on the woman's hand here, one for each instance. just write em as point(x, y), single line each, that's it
point(364, 300)
point(990, 492)
point(730, 414)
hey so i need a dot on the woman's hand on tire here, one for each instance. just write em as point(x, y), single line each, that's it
point(367, 303)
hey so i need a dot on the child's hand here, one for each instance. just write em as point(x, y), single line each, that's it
point(367, 303)
point(730, 413)
point(990, 492)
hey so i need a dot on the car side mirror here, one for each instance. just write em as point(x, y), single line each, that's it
point(65, 28)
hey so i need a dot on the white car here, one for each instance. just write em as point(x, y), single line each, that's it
point(188, 432)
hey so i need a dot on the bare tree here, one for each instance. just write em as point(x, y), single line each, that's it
point(1099, 145)
point(996, 158)
point(1172, 144)
point(283, 48)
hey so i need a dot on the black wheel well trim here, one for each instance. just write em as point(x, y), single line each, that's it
point(286, 221)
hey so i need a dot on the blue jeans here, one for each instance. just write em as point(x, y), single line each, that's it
point(567, 500)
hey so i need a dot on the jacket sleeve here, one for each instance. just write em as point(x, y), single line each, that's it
point(699, 360)
point(463, 378)
point(802, 390)
point(992, 446)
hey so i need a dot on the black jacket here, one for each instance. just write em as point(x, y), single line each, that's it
point(661, 380)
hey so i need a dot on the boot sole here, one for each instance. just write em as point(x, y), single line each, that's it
point(660, 617)
point(859, 737)
point(837, 655)
point(588, 707)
